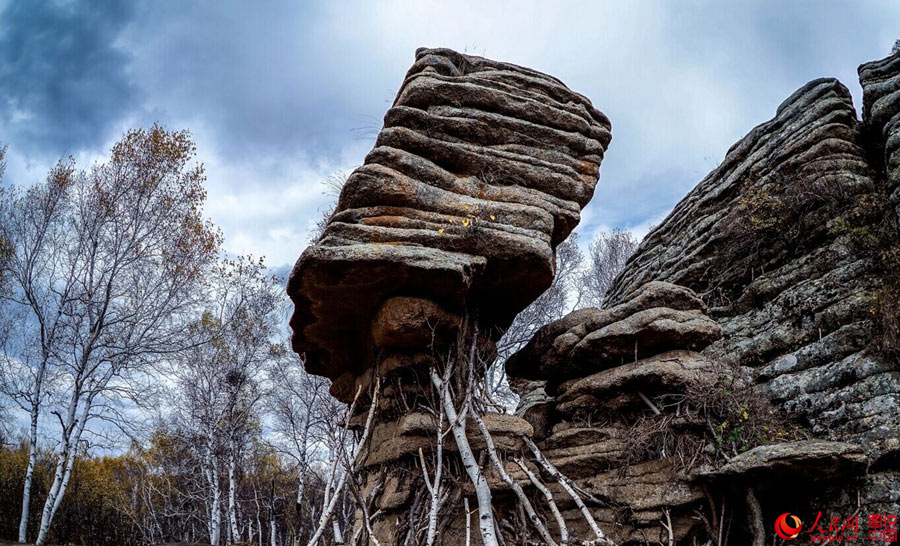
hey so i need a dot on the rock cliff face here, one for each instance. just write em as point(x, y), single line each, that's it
point(781, 269)
point(792, 242)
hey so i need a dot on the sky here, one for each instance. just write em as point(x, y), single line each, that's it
point(281, 95)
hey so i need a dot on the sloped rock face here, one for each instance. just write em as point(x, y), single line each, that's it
point(780, 268)
point(481, 169)
point(880, 81)
point(789, 243)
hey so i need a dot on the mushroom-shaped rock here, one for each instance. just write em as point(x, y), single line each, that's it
point(481, 169)
point(657, 317)
point(802, 460)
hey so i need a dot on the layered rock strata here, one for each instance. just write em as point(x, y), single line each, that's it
point(792, 242)
point(480, 170)
point(605, 371)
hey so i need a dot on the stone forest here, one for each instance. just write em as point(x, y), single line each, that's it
point(744, 364)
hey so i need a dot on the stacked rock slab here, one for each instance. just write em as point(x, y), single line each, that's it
point(798, 295)
point(602, 368)
point(480, 171)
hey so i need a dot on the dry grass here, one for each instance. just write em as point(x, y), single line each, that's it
point(708, 424)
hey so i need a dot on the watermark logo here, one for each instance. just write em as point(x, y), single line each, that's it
point(788, 530)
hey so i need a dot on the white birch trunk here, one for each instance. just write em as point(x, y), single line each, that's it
point(232, 487)
point(29, 470)
point(331, 504)
point(74, 427)
point(517, 489)
point(214, 521)
point(273, 536)
point(482, 491)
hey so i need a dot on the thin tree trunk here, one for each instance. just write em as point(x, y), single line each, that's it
point(548, 496)
point(29, 470)
point(232, 510)
point(756, 518)
point(482, 491)
point(214, 522)
point(331, 504)
point(511, 483)
point(564, 482)
point(66, 459)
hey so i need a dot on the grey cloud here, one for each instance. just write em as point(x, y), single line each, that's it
point(267, 81)
point(63, 81)
point(278, 94)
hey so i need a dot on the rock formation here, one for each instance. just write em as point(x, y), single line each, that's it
point(481, 169)
point(745, 363)
point(439, 239)
point(790, 249)
point(792, 242)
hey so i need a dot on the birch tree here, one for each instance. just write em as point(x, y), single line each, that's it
point(219, 381)
point(105, 269)
point(299, 406)
point(607, 256)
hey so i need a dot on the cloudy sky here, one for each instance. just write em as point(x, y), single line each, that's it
point(280, 95)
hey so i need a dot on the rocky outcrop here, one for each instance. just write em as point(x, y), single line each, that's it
point(880, 81)
point(658, 317)
point(791, 242)
point(779, 268)
point(804, 460)
point(796, 304)
point(745, 363)
point(607, 370)
point(480, 170)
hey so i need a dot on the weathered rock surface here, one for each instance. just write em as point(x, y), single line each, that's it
point(795, 461)
point(790, 280)
point(766, 267)
point(666, 372)
point(656, 318)
point(798, 310)
point(770, 268)
point(880, 81)
point(481, 169)
point(439, 239)
point(604, 367)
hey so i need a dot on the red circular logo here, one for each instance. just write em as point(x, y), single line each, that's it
point(784, 529)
